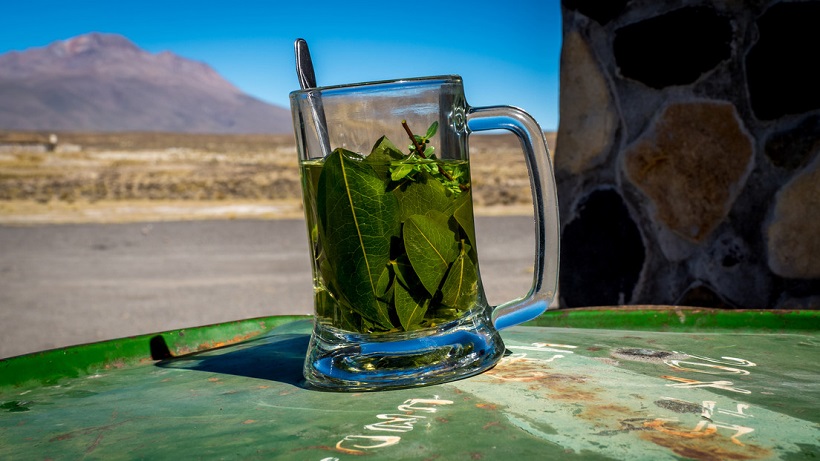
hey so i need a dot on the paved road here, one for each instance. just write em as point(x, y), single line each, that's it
point(71, 284)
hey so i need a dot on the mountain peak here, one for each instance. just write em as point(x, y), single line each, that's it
point(112, 55)
point(94, 41)
point(104, 82)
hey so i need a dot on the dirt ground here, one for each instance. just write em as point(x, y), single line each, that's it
point(128, 177)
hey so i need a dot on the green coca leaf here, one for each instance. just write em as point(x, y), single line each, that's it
point(443, 219)
point(417, 197)
point(431, 247)
point(463, 212)
point(410, 307)
point(404, 271)
point(401, 171)
point(383, 153)
point(358, 218)
point(431, 131)
point(385, 283)
point(461, 285)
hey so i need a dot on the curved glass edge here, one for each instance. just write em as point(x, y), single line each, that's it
point(462, 348)
point(436, 79)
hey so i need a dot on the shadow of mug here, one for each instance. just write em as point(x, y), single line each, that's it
point(276, 356)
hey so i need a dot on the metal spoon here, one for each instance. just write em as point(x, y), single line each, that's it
point(304, 65)
point(307, 80)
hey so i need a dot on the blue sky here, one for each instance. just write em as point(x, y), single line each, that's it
point(507, 52)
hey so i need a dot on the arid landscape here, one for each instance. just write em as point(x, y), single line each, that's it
point(122, 177)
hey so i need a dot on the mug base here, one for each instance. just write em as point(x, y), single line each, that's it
point(342, 361)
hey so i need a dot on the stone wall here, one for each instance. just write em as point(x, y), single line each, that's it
point(688, 153)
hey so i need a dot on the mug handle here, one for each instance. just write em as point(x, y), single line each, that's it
point(545, 205)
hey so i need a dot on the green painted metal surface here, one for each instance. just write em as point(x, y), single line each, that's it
point(669, 318)
point(560, 393)
point(55, 364)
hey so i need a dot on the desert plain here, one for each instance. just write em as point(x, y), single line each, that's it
point(128, 177)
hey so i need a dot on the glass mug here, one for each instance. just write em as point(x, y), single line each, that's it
point(388, 202)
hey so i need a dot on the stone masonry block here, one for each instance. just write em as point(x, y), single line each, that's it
point(691, 163)
point(588, 115)
point(793, 228)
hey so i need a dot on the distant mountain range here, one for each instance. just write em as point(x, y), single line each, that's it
point(104, 82)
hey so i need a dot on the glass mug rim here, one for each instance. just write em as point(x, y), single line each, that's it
point(411, 81)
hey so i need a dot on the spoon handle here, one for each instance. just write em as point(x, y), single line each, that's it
point(304, 65)
point(307, 80)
